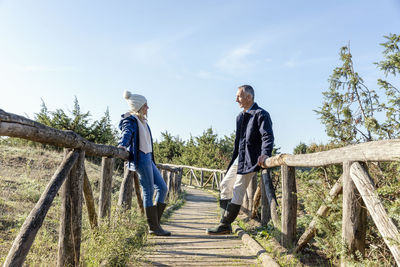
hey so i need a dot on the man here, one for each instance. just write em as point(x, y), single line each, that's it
point(253, 144)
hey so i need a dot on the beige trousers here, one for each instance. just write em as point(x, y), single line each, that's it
point(234, 185)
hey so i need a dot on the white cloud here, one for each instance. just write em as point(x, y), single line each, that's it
point(236, 60)
point(294, 60)
point(161, 50)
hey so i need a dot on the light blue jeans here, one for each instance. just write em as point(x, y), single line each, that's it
point(150, 180)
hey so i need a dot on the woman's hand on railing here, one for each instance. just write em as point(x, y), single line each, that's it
point(261, 160)
point(122, 147)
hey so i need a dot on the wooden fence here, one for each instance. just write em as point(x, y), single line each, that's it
point(71, 177)
point(262, 193)
point(355, 184)
point(213, 180)
point(358, 191)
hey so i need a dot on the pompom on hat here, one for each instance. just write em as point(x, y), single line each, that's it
point(135, 101)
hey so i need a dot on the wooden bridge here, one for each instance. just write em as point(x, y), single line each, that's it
point(191, 246)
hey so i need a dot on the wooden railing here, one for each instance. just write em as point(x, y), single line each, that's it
point(173, 178)
point(355, 183)
point(263, 193)
point(72, 178)
point(213, 180)
point(358, 192)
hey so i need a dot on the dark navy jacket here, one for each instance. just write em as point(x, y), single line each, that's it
point(254, 137)
point(130, 139)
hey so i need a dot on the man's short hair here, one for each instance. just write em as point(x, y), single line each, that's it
point(248, 89)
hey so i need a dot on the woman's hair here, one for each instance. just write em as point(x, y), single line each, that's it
point(140, 114)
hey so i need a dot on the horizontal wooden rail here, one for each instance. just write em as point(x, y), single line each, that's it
point(17, 126)
point(168, 167)
point(191, 167)
point(385, 150)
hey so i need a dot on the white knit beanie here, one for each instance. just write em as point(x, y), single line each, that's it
point(135, 101)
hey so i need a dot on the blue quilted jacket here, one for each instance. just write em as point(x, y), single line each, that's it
point(130, 139)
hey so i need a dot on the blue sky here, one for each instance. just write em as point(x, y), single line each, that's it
point(188, 58)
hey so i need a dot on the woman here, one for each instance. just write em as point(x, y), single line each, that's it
point(137, 140)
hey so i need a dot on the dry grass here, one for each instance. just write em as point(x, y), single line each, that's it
point(24, 174)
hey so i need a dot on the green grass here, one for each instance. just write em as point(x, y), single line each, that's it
point(118, 240)
point(174, 204)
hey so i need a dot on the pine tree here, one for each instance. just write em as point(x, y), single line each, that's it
point(390, 66)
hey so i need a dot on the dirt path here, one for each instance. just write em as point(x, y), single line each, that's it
point(189, 244)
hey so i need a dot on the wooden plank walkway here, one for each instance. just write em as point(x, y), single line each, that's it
point(189, 244)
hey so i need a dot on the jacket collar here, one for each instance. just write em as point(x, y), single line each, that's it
point(252, 110)
point(129, 116)
point(126, 115)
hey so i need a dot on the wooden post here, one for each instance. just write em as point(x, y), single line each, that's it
point(164, 174)
point(126, 189)
point(170, 185)
point(376, 209)
point(176, 182)
point(221, 177)
point(71, 215)
point(245, 203)
point(265, 207)
point(89, 200)
point(250, 191)
point(201, 178)
point(179, 181)
point(34, 221)
point(271, 197)
point(105, 187)
point(138, 192)
point(252, 188)
point(195, 177)
point(289, 206)
point(354, 216)
point(256, 201)
point(191, 177)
